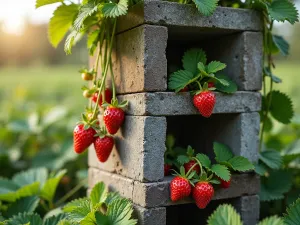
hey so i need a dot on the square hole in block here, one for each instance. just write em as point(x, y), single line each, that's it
point(242, 53)
point(200, 132)
point(190, 214)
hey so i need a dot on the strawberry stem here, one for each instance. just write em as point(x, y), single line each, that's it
point(201, 169)
point(106, 68)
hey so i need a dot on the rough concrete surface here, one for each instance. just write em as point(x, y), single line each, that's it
point(153, 216)
point(140, 144)
point(172, 104)
point(151, 195)
point(248, 207)
point(179, 16)
point(139, 59)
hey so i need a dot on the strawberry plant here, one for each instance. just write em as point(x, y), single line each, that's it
point(201, 79)
point(202, 174)
point(226, 215)
point(102, 207)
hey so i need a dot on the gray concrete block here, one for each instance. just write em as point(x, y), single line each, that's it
point(179, 16)
point(172, 104)
point(153, 216)
point(139, 149)
point(243, 54)
point(248, 207)
point(139, 59)
point(157, 194)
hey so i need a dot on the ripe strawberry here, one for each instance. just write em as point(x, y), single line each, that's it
point(82, 138)
point(225, 184)
point(180, 188)
point(167, 169)
point(103, 147)
point(185, 89)
point(203, 193)
point(108, 97)
point(113, 118)
point(205, 102)
point(211, 84)
point(190, 164)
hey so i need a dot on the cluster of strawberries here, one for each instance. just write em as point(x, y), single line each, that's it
point(193, 180)
point(89, 131)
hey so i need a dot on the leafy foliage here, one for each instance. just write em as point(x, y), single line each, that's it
point(292, 217)
point(228, 89)
point(273, 220)
point(281, 107)
point(215, 66)
point(271, 158)
point(225, 215)
point(191, 58)
point(206, 7)
point(181, 79)
point(25, 218)
point(61, 22)
point(40, 3)
point(27, 204)
point(115, 9)
point(283, 10)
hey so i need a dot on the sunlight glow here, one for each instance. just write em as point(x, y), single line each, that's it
point(14, 13)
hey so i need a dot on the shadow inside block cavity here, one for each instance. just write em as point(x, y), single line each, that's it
point(190, 214)
point(226, 48)
point(200, 132)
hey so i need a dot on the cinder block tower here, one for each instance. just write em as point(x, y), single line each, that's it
point(150, 38)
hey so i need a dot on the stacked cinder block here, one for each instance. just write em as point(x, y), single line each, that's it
point(150, 38)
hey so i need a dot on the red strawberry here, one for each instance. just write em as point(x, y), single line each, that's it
point(211, 84)
point(185, 89)
point(82, 138)
point(205, 103)
point(180, 188)
point(167, 169)
point(103, 147)
point(108, 97)
point(225, 184)
point(113, 118)
point(190, 164)
point(203, 193)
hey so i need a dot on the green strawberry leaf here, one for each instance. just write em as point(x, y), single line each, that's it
point(27, 204)
point(271, 189)
point(85, 11)
point(98, 193)
point(241, 164)
point(229, 87)
point(292, 216)
point(261, 169)
point(201, 68)
point(274, 78)
point(215, 66)
point(69, 207)
point(281, 107)
point(225, 215)
point(273, 220)
point(214, 181)
point(114, 10)
point(180, 79)
point(206, 7)
point(222, 152)
point(191, 58)
point(221, 171)
point(281, 44)
point(54, 220)
point(283, 10)
point(61, 22)
point(25, 219)
point(182, 159)
point(81, 211)
point(204, 160)
point(271, 158)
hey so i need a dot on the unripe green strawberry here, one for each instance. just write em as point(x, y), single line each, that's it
point(103, 147)
point(87, 76)
point(83, 138)
point(205, 102)
point(203, 192)
point(113, 118)
point(180, 188)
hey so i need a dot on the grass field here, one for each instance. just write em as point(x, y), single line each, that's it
point(61, 85)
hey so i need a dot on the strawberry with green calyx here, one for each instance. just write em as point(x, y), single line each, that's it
point(205, 100)
point(211, 84)
point(87, 75)
point(181, 185)
point(108, 97)
point(88, 92)
point(188, 160)
point(103, 145)
point(83, 134)
point(114, 115)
